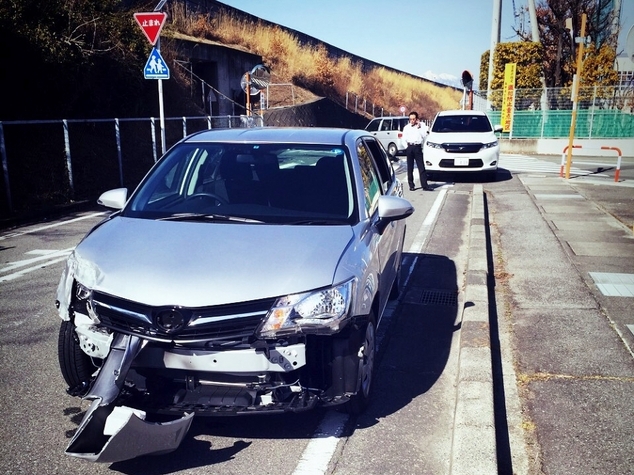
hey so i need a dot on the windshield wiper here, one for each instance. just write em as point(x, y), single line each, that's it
point(318, 221)
point(207, 217)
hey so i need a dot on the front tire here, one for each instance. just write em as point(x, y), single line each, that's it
point(367, 354)
point(76, 366)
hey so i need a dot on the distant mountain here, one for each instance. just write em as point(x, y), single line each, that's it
point(443, 78)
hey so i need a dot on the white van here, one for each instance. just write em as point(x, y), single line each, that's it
point(389, 131)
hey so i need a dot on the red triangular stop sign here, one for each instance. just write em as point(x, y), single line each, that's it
point(151, 23)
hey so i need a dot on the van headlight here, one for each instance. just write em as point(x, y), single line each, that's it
point(324, 311)
point(433, 145)
point(490, 144)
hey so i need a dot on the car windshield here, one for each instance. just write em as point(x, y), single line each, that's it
point(248, 183)
point(461, 123)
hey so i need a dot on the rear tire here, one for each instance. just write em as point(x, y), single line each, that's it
point(359, 402)
point(76, 366)
point(392, 150)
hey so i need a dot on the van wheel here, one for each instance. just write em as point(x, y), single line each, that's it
point(392, 150)
point(367, 353)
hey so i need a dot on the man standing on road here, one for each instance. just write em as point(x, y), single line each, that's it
point(414, 134)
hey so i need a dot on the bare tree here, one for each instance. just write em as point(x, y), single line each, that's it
point(558, 41)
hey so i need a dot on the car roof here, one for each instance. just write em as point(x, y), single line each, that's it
point(461, 112)
point(305, 135)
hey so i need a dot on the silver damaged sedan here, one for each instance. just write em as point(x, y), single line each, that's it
point(246, 274)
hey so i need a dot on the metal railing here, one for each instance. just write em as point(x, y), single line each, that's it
point(60, 161)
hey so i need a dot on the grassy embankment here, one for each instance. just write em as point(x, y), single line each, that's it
point(312, 68)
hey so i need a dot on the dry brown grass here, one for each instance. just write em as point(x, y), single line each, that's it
point(311, 67)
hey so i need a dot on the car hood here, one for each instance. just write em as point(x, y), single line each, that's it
point(199, 264)
point(461, 137)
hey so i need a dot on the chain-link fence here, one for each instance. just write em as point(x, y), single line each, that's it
point(602, 112)
point(53, 162)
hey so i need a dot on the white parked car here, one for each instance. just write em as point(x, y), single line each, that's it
point(247, 274)
point(389, 131)
point(462, 141)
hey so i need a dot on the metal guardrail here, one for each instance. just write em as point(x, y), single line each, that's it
point(19, 150)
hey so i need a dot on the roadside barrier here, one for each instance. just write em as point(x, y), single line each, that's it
point(618, 161)
point(563, 159)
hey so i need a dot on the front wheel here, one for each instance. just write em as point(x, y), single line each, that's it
point(367, 353)
point(76, 366)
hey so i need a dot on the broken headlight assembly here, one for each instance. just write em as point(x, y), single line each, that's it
point(82, 302)
point(324, 311)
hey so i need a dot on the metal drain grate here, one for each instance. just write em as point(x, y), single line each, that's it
point(439, 297)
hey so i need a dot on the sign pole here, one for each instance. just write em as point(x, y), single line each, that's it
point(158, 8)
point(248, 80)
point(575, 95)
point(151, 23)
point(161, 111)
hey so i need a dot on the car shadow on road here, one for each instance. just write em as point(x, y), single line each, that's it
point(502, 174)
point(419, 340)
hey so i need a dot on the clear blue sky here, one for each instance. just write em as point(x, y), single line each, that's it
point(421, 36)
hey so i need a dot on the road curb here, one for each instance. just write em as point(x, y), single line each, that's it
point(474, 447)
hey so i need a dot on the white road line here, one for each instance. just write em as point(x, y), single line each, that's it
point(419, 241)
point(15, 275)
point(318, 452)
point(523, 163)
point(49, 226)
point(41, 257)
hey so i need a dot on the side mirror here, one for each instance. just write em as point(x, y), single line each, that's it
point(498, 128)
point(114, 198)
point(392, 208)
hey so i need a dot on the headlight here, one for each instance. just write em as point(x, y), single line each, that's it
point(490, 144)
point(82, 303)
point(324, 311)
point(433, 145)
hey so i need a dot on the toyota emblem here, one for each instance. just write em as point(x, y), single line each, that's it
point(170, 320)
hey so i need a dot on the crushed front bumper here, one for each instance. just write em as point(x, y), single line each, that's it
point(110, 433)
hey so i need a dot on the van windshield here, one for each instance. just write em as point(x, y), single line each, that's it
point(461, 123)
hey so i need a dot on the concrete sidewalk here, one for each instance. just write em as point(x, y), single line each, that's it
point(565, 345)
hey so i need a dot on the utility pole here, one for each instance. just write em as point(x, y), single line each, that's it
point(495, 39)
point(575, 92)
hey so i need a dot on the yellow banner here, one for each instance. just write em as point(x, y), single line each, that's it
point(508, 99)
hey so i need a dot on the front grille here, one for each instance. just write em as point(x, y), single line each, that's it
point(221, 325)
point(449, 163)
point(462, 147)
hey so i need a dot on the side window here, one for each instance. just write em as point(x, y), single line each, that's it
point(386, 124)
point(373, 126)
point(383, 167)
point(371, 183)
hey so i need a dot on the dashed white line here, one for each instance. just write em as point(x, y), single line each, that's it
point(49, 226)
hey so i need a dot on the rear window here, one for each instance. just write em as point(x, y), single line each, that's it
point(461, 123)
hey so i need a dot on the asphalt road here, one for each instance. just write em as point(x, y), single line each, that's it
point(408, 427)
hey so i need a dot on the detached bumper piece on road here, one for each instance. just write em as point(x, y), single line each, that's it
point(132, 438)
point(110, 433)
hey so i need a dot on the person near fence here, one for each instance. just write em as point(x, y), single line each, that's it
point(414, 134)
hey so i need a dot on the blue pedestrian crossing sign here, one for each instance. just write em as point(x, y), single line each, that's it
point(155, 68)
